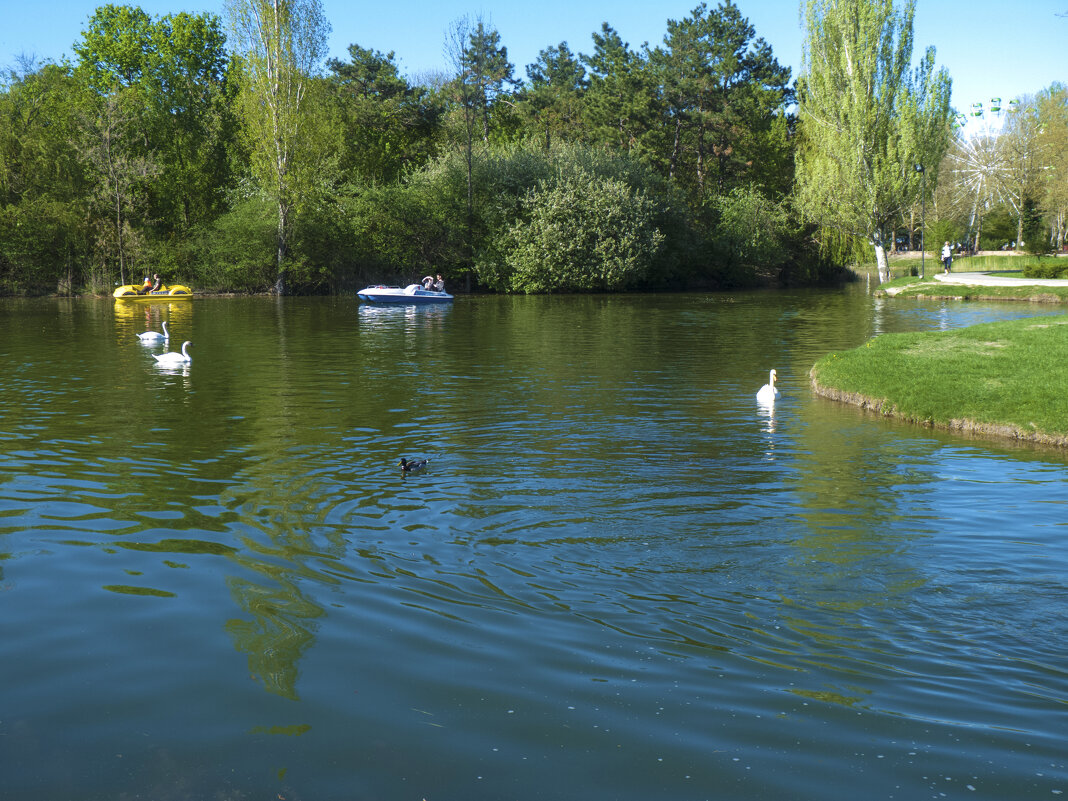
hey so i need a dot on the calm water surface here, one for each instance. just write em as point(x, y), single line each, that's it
point(618, 579)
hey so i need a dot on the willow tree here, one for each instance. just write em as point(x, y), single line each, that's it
point(867, 119)
point(281, 44)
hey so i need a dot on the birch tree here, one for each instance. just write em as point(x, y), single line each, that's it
point(867, 119)
point(281, 44)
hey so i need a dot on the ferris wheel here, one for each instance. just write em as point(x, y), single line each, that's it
point(983, 120)
point(980, 162)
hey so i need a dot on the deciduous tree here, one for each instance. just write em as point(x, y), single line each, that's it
point(281, 44)
point(866, 118)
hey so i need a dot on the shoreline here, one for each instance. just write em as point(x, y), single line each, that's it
point(980, 286)
point(995, 380)
point(887, 408)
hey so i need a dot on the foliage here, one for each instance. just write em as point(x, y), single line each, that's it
point(623, 106)
point(581, 233)
point(865, 120)
point(281, 45)
point(237, 251)
point(164, 145)
point(44, 219)
point(169, 77)
point(398, 232)
point(386, 126)
point(942, 230)
point(724, 98)
point(1047, 268)
point(1037, 242)
point(750, 233)
point(552, 101)
point(1052, 110)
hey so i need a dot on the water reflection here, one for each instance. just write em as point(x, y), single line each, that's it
point(144, 316)
point(278, 630)
point(617, 552)
point(406, 317)
point(172, 368)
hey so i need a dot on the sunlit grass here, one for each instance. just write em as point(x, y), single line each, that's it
point(916, 287)
point(1007, 264)
point(1007, 374)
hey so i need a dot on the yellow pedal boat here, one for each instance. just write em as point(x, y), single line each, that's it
point(172, 292)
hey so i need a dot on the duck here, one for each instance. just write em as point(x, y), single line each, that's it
point(154, 337)
point(173, 358)
point(411, 465)
point(768, 393)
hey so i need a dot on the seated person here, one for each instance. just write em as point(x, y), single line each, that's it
point(439, 285)
point(146, 287)
point(157, 283)
point(428, 282)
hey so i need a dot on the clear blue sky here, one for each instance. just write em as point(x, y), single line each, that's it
point(990, 48)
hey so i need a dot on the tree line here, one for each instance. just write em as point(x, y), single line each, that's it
point(225, 154)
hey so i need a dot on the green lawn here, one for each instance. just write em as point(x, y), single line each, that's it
point(1007, 264)
point(1006, 378)
point(915, 287)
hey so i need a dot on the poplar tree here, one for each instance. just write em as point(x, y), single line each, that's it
point(867, 119)
point(281, 43)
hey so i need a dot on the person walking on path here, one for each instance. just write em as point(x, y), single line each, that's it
point(947, 257)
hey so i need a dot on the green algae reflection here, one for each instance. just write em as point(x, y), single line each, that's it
point(126, 589)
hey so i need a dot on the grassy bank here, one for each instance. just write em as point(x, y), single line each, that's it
point(1007, 264)
point(914, 287)
point(1003, 379)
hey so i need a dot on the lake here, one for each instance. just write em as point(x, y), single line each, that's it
point(618, 578)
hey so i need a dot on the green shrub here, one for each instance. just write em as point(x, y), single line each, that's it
point(581, 233)
point(1046, 268)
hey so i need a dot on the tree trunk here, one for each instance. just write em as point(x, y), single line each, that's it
point(882, 263)
point(675, 147)
point(280, 274)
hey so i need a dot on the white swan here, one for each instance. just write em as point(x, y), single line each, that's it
point(154, 337)
point(767, 393)
point(172, 358)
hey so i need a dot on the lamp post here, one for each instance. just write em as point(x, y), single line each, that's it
point(923, 210)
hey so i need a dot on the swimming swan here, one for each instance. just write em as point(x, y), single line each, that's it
point(154, 337)
point(768, 393)
point(172, 358)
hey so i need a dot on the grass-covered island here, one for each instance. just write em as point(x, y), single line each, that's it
point(1004, 379)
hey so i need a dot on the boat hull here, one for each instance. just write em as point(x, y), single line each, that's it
point(409, 295)
point(175, 292)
